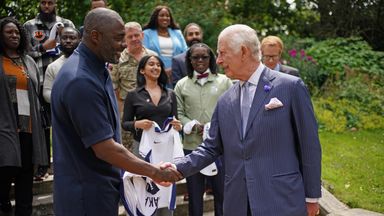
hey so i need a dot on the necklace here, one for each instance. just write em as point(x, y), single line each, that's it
point(18, 62)
point(163, 34)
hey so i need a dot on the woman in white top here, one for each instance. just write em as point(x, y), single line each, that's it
point(162, 35)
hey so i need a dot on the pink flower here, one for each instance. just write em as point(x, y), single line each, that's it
point(302, 53)
point(292, 53)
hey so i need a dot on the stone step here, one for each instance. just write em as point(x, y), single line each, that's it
point(43, 205)
point(39, 187)
point(43, 199)
point(46, 187)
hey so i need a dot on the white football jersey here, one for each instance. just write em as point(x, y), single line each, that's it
point(140, 195)
point(162, 145)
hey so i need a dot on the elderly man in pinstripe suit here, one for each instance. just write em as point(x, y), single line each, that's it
point(265, 128)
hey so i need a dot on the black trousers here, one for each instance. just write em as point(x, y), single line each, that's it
point(196, 185)
point(21, 176)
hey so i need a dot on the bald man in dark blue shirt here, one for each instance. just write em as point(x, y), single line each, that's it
point(86, 126)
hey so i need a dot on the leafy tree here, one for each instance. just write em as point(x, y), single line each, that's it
point(275, 17)
point(25, 10)
point(302, 18)
point(345, 18)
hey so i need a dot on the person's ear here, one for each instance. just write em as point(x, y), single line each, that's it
point(95, 37)
point(244, 52)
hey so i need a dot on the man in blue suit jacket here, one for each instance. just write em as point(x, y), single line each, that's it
point(274, 167)
point(193, 33)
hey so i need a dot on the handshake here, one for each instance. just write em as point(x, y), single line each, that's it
point(166, 173)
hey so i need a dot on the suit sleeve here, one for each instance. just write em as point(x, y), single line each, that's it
point(309, 148)
point(206, 153)
point(176, 71)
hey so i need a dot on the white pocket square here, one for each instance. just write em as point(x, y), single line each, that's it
point(273, 104)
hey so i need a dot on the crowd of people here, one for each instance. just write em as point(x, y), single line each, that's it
point(122, 96)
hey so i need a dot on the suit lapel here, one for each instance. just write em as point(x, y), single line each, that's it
point(235, 106)
point(260, 96)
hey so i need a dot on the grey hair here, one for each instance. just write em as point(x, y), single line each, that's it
point(134, 25)
point(238, 35)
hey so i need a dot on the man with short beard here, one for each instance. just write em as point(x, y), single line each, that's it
point(39, 30)
point(86, 125)
point(193, 33)
point(69, 39)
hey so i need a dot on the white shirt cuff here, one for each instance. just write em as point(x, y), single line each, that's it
point(312, 200)
point(188, 127)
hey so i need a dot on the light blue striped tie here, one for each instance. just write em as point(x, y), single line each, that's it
point(245, 106)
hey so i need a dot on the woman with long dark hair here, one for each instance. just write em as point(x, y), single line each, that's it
point(21, 133)
point(150, 102)
point(162, 35)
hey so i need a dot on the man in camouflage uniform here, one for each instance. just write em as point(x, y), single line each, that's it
point(124, 73)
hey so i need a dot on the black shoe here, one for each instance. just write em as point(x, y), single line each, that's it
point(41, 174)
point(6, 207)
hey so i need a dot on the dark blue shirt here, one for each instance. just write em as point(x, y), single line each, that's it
point(84, 112)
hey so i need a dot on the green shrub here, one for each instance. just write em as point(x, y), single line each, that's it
point(336, 115)
point(371, 121)
point(328, 116)
point(336, 55)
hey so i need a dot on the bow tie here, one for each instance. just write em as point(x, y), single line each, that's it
point(204, 75)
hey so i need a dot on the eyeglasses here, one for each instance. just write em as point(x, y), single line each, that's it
point(197, 58)
point(270, 57)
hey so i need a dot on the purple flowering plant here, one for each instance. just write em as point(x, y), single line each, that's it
point(308, 67)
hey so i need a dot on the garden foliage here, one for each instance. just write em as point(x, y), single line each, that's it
point(345, 78)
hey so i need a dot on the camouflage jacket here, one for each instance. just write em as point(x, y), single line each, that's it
point(123, 74)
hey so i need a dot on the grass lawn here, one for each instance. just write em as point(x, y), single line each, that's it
point(353, 167)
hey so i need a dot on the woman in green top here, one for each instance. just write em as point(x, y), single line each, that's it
point(197, 95)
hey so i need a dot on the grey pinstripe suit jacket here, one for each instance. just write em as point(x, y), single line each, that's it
point(278, 162)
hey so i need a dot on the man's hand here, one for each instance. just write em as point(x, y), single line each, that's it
point(49, 44)
point(198, 128)
point(166, 174)
point(313, 209)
